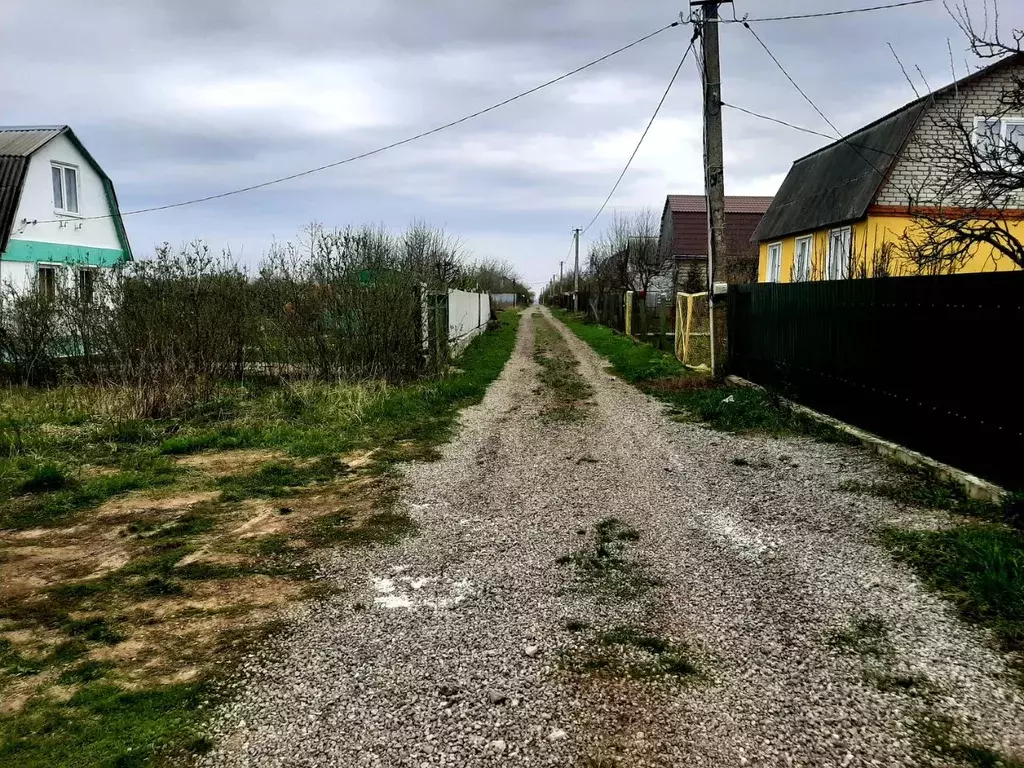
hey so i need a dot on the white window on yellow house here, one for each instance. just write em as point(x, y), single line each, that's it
point(774, 262)
point(837, 266)
point(802, 259)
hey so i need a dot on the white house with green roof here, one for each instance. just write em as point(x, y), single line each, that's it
point(59, 218)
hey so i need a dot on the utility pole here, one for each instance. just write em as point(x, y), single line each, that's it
point(714, 165)
point(560, 274)
point(576, 273)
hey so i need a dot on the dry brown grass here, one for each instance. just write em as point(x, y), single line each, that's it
point(254, 549)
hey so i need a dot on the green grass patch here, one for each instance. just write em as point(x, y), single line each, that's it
point(938, 736)
point(275, 479)
point(631, 653)
point(605, 567)
point(695, 396)
point(55, 497)
point(634, 361)
point(46, 435)
point(104, 725)
point(917, 487)
point(980, 567)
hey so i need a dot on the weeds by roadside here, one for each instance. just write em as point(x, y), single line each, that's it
point(938, 735)
point(978, 563)
point(696, 396)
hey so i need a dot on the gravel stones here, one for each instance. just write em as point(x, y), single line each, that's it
point(749, 569)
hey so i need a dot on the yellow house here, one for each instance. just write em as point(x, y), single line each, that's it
point(864, 205)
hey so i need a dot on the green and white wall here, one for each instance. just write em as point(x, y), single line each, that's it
point(63, 240)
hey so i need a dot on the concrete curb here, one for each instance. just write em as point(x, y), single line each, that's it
point(974, 486)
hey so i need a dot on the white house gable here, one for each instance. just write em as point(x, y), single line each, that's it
point(87, 199)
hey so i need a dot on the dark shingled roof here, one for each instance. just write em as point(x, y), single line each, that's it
point(838, 183)
point(17, 145)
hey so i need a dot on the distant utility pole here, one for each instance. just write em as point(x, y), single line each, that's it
point(560, 264)
point(576, 273)
point(714, 165)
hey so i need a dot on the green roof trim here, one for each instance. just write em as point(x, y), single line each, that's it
point(62, 253)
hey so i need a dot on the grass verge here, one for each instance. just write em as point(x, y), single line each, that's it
point(141, 557)
point(695, 396)
point(978, 563)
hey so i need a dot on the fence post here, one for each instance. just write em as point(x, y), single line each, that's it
point(629, 313)
point(680, 339)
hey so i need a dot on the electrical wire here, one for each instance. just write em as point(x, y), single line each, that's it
point(831, 13)
point(780, 122)
point(643, 136)
point(814, 106)
point(386, 147)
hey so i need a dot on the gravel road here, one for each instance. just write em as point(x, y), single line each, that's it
point(485, 640)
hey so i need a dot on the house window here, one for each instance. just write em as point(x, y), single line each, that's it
point(65, 188)
point(86, 284)
point(802, 259)
point(839, 242)
point(998, 140)
point(46, 282)
point(774, 262)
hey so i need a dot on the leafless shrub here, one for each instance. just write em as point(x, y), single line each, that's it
point(171, 330)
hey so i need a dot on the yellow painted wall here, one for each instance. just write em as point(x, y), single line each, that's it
point(868, 237)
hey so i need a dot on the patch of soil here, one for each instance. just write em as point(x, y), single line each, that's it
point(32, 568)
point(130, 507)
point(229, 463)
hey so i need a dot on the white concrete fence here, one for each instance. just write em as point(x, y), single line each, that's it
point(468, 315)
point(465, 313)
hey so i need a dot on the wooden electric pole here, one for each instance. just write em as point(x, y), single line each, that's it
point(714, 165)
point(576, 274)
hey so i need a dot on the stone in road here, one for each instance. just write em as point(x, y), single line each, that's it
point(483, 642)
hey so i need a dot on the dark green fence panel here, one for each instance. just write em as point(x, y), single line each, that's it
point(925, 361)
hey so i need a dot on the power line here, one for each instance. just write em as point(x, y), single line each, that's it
point(386, 147)
point(800, 90)
point(643, 136)
point(780, 122)
point(845, 140)
point(831, 13)
point(814, 106)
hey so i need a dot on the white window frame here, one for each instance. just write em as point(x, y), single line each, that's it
point(62, 209)
point(774, 267)
point(844, 265)
point(1004, 122)
point(802, 275)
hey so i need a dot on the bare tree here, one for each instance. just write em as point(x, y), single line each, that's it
point(970, 186)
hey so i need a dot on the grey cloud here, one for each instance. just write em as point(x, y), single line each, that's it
point(161, 100)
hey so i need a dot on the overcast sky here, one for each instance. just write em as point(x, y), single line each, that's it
point(194, 97)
